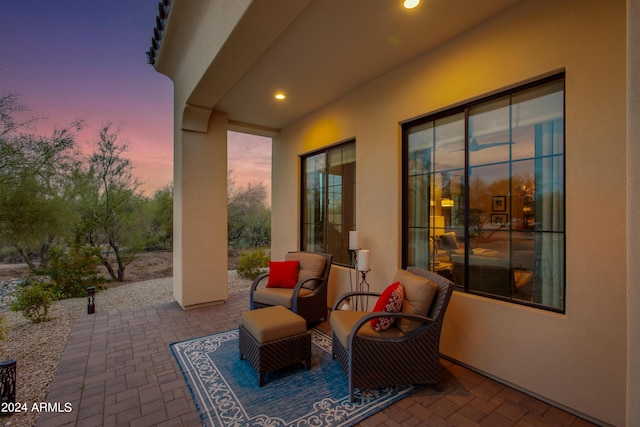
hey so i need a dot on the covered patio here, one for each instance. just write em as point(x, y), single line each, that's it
point(117, 369)
point(363, 74)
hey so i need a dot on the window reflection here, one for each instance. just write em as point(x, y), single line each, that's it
point(328, 211)
point(485, 195)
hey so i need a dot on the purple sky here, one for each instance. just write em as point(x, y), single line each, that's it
point(86, 59)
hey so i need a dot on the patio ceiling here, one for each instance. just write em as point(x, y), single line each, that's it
point(315, 51)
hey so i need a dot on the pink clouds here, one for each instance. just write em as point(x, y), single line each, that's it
point(86, 60)
point(250, 160)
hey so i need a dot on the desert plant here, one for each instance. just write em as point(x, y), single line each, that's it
point(34, 299)
point(158, 219)
point(72, 271)
point(253, 262)
point(249, 218)
point(110, 206)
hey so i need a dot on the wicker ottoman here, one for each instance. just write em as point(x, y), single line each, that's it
point(272, 338)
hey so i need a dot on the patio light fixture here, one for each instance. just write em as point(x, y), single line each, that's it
point(411, 4)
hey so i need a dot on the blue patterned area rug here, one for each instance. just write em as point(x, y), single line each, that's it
point(226, 392)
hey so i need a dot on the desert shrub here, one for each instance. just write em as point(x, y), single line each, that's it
point(253, 262)
point(10, 255)
point(232, 256)
point(73, 271)
point(34, 299)
point(158, 220)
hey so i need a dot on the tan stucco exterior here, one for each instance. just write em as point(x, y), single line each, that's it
point(200, 191)
point(582, 360)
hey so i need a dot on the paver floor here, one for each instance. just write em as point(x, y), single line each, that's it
point(117, 370)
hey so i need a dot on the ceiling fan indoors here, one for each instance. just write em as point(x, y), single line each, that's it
point(474, 146)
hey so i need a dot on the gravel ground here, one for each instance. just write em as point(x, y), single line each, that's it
point(38, 347)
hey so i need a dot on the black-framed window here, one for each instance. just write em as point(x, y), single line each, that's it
point(329, 200)
point(484, 195)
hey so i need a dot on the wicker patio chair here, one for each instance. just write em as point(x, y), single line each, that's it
point(309, 297)
point(407, 352)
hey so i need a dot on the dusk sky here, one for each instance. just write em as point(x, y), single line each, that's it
point(86, 59)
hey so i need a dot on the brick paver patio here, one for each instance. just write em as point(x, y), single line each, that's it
point(117, 370)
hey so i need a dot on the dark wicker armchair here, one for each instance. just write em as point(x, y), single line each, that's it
point(309, 297)
point(407, 352)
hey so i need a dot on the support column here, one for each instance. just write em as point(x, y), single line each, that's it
point(633, 205)
point(200, 214)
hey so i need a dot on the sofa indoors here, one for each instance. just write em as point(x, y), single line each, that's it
point(492, 272)
point(496, 266)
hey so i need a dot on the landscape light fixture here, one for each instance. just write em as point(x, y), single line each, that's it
point(91, 300)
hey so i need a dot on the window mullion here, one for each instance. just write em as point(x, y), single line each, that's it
point(467, 243)
point(514, 196)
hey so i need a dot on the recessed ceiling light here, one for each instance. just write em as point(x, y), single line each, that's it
point(410, 4)
point(280, 96)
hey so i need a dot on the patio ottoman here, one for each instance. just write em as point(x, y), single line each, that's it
point(272, 338)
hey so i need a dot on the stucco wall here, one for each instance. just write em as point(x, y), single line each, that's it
point(577, 359)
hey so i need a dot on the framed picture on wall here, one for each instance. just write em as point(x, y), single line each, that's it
point(499, 219)
point(499, 204)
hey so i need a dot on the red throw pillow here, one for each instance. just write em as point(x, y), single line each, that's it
point(389, 301)
point(283, 274)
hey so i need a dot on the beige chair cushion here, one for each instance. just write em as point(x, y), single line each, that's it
point(272, 323)
point(343, 321)
point(277, 296)
point(418, 296)
point(311, 265)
